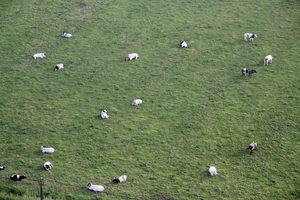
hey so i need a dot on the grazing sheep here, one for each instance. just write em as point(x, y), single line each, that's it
point(252, 147)
point(132, 56)
point(104, 114)
point(137, 102)
point(120, 179)
point(59, 66)
point(47, 150)
point(248, 71)
point(66, 35)
point(183, 44)
point(38, 55)
point(213, 171)
point(95, 188)
point(48, 165)
point(268, 59)
point(16, 177)
point(2, 167)
point(249, 36)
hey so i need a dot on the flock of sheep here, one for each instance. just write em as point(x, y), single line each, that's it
point(133, 56)
point(268, 59)
point(48, 166)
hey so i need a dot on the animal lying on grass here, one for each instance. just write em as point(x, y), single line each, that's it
point(120, 179)
point(95, 188)
point(58, 67)
point(137, 102)
point(66, 35)
point(248, 71)
point(16, 177)
point(39, 55)
point(48, 165)
point(47, 150)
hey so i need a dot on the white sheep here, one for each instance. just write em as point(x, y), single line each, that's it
point(95, 188)
point(59, 66)
point(249, 36)
point(132, 56)
point(268, 59)
point(183, 44)
point(213, 171)
point(48, 165)
point(47, 150)
point(39, 55)
point(104, 114)
point(66, 35)
point(120, 179)
point(137, 102)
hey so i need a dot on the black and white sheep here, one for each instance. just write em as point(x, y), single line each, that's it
point(58, 67)
point(183, 44)
point(252, 147)
point(137, 102)
point(268, 59)
point(213, 171)
point(104, 114)
point(39, 55)
point(16, 177)
point(2, 167)
point(120, 179)
point(66, 35)
point(48, 165)
point(249, 36)
point(95, 188)
point(132, 56)
point(47, 150)
point(248, 71)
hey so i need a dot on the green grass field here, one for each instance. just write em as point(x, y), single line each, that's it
point(197, 109)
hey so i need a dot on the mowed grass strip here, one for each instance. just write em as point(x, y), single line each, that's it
point(197, 109)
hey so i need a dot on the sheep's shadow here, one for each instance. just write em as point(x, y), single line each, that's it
point(205, 174)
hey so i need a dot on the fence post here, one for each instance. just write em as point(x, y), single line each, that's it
point(41, 183)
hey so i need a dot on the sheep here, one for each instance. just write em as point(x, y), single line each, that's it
point(2, 167)
point(120, 179)
point(16, 177)
point(137, 102)
point(104, 114)
point(248, 71)
point(59, 66)
point(183, 44)
point(48, 165)
point(95, 188)
point(249, 36)
point(47, 150)
point(268, 59)
point(39, 55)
point(66, 35)
point(213, 171)
point(131, 56)
point(252, 147)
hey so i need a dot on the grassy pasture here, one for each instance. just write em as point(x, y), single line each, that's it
point(197, 109)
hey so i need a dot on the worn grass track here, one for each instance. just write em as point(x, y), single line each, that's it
point(197, 109)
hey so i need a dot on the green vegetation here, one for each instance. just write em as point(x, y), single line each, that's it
point(197, 109)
